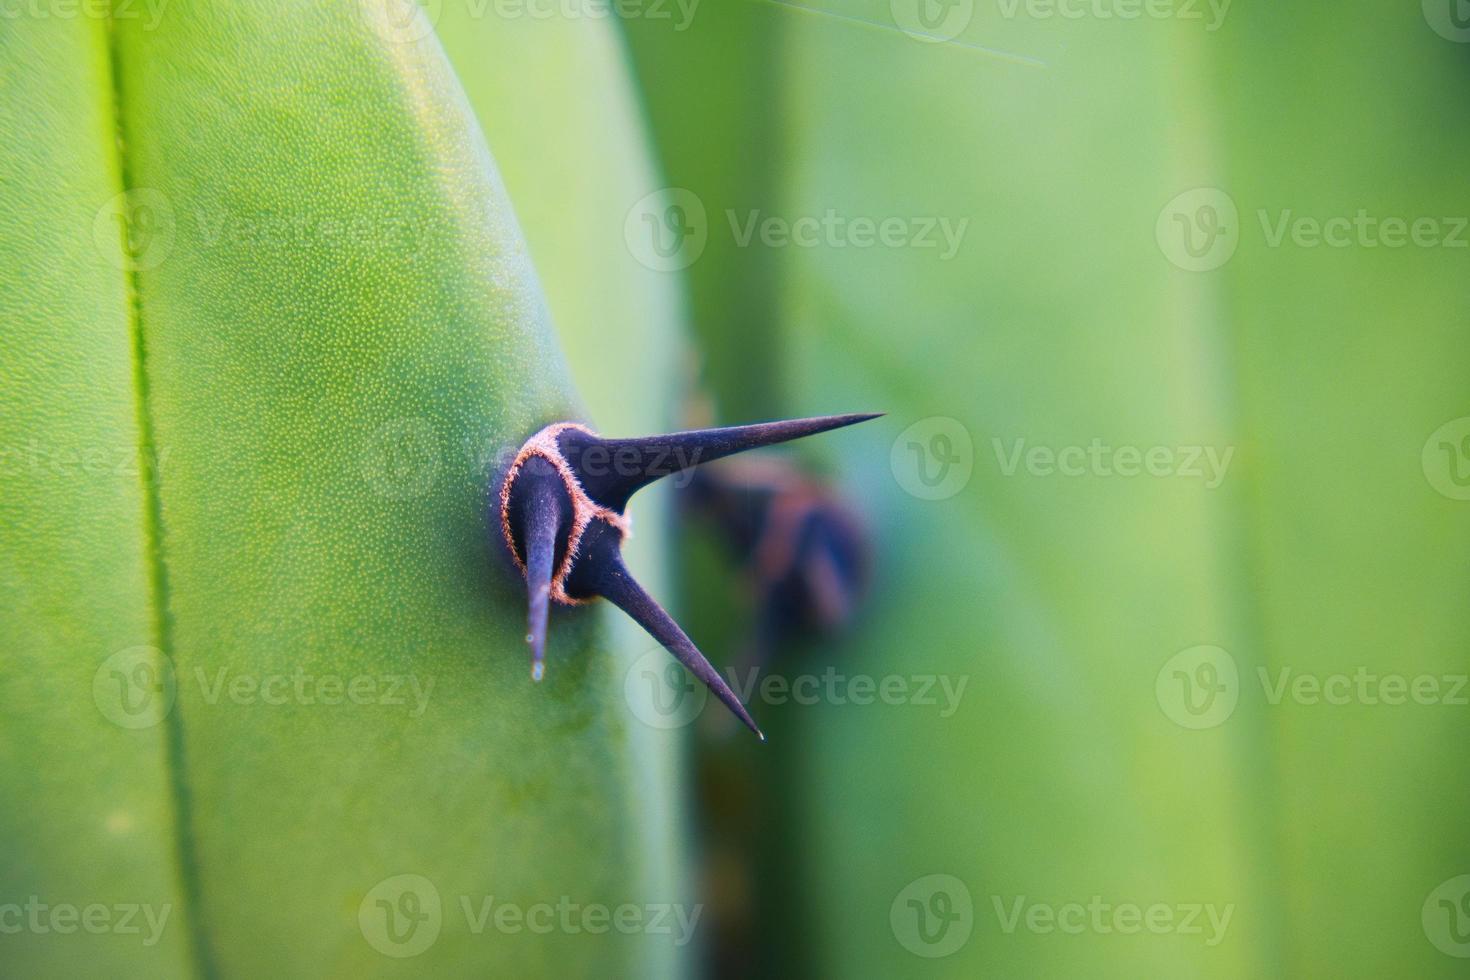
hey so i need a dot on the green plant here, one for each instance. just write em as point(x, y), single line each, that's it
point(262, 247)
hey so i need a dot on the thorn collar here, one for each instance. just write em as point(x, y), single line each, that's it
point(584, 509)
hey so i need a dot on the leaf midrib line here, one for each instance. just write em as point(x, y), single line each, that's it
point(185, 852)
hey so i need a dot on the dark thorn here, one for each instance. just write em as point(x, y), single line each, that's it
point(612, 470)
point(540, 515)
point(602, 572)
point(540, 543)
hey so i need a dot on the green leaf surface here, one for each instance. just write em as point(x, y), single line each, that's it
point(337, 331)
point(86, 819)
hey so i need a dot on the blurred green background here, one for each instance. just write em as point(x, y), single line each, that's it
point(1073, 312)
point(1163, 667)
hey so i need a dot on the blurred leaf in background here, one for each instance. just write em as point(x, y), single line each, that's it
point(1113, 286)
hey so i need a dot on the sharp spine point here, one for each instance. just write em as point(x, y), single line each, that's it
point(620, 588)
point(624, 466)
point(538, 534)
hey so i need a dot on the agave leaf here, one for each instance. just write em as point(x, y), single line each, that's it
point(338, 328)
point(86, 783)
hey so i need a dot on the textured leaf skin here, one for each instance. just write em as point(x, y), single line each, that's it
point(1060, 599)
point(340, 328)
point(85, 814)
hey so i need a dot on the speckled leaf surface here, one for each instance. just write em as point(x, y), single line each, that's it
point(86, 818)
point(337, 329)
